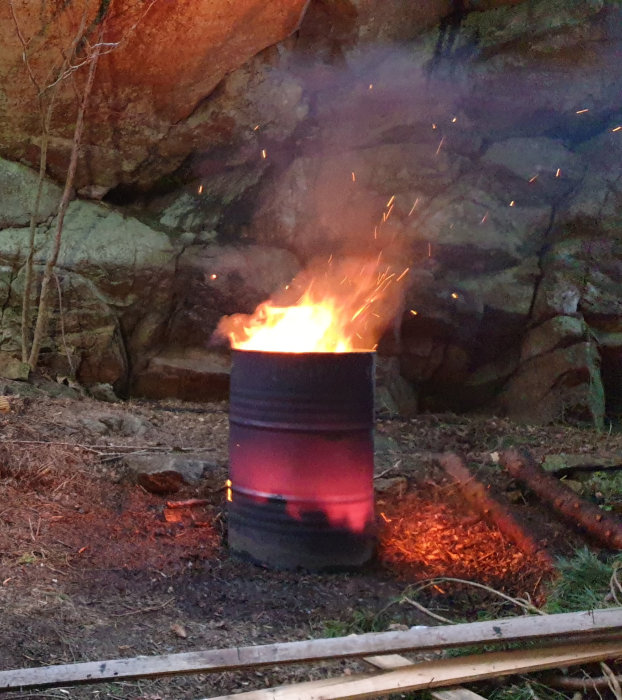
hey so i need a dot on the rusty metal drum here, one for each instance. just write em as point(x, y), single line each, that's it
point(301, 459)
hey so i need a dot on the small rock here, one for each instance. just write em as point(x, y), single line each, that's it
point(398, 484)
point(166, 473)
point(179, 630)
point(12, 368)
point(103, 392)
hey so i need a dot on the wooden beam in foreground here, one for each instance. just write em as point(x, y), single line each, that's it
point(439, 673)
point(583, 624)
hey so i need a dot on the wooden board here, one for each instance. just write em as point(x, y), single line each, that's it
point(387, 662)
point(443, 672)
point(581, 624)
point(457, 693)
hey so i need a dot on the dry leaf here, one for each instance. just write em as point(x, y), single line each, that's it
point(179, 630)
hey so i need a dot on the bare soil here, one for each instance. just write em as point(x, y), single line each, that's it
point(92, 566)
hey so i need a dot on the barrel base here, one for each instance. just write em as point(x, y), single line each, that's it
point(289, 555)
point(309, 543)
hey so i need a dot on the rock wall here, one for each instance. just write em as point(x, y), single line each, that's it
point(170, 57)
point(492, 130)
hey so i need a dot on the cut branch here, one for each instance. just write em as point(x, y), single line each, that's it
point(601, 526)
point(479, 497)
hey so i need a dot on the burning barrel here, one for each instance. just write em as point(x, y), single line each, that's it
point(301, 458)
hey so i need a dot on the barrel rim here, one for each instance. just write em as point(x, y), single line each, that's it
point(312, 353)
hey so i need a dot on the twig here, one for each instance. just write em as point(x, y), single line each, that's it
point(189, 503)
point(613, 681)
point(520, 602)
point(61, 316)
point(150, 608)
point(425, 610)
point(100, 449)
point(569, 683)
point(389, 470)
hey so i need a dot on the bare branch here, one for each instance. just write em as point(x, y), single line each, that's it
point(24, 44)
point(44, 303)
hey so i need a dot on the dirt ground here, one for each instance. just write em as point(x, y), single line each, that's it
point(94, 567)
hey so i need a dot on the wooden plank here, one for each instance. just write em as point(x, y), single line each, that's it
point(443, 672)
point(457, 693)
point(387, 662)
point(584, 623)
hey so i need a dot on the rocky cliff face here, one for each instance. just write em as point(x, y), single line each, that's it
point(491, 127)
point(170, 57)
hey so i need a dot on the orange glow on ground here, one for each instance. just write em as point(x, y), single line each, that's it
point(426, 538)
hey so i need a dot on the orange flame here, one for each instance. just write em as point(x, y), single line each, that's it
point(343, 307)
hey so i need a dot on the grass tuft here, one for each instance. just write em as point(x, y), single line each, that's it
point(584, 582)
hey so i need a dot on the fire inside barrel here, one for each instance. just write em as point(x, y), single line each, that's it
point(301, 420)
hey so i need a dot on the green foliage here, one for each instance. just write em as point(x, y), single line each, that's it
point(362, 621)
point(608, 485)
point(584, 582)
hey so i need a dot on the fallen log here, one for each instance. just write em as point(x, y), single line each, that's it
point(479, 497)
point(583, 625)
point(601, 526)
point(440, 673)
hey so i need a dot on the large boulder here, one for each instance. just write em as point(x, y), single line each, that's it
point(170, 57)
point(563, 385)
point(18, 186)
